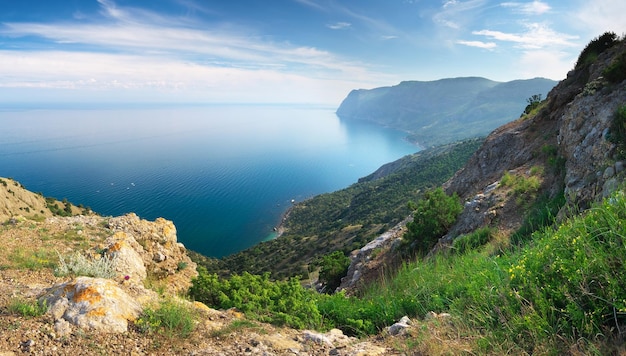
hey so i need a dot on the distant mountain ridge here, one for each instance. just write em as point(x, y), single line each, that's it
point(445, 110)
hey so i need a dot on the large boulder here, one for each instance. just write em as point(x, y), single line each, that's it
point(91, 303)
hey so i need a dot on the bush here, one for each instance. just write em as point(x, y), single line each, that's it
point(277, 302)
point(595, 47)
point(334, 266)
point(79, 265)
point(616, 71)
point(533, 102)
point(172, 317)
point(434, 215)
point(523, 188)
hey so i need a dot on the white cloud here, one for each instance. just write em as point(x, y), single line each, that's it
point(552, 64)
point(135, 49)
point(455, 14)
point(479, 44)
point(134, 35)
point(598, 16)
point(98, 74)
point(536, 36)
point(528, 8)
point(339, 25)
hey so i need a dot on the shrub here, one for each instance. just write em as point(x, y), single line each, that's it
point(277, 302)
point(523, 188)
point(79, 265)
point(172, 317)
point(434, 215)
point(533, 102)
point(595, 47)
point(616, 71)
point(333, 267)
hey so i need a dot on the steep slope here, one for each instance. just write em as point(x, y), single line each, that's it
point(445, 110)
point(568, 138)
point(15, 200)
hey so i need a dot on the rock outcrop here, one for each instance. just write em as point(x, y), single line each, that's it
point(568, 137)
point(162, 256)
point(92, 304)
point(142, 253)
point(366, 261)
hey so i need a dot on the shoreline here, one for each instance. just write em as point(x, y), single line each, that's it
point(279, 229)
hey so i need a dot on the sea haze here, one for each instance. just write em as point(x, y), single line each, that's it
point(223, 173)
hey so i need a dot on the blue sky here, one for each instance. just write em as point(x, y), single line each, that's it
point(281, 51)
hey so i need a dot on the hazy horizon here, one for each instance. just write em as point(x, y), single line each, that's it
point(291, 51)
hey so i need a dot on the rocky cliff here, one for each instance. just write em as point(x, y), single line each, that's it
point(567, 139)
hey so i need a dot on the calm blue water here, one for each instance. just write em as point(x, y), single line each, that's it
point(223, 174)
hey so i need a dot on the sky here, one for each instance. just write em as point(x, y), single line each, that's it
point(281, 51)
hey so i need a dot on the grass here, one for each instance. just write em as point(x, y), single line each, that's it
point(563, 289)
point(32, 260)
point(172, 318)
point(27, 308)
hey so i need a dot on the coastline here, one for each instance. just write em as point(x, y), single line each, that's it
point(280, 228)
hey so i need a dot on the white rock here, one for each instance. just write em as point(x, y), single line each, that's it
point(92, 304)
point(122, 247)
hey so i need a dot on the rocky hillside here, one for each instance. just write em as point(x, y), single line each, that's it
point(561, 157)
point(15, 199)
point(445, 110)
point(93, 285)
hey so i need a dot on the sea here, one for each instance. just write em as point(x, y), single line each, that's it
point(224, 174)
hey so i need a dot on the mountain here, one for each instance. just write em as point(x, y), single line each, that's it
point(445, 110)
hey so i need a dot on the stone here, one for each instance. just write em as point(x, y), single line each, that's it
point(122, 248)
point(609, 187)
point(317, 338)
point(367, 349)
point(92, 304)
point(333, 338)
point(399, 327)
point(62, 327)
point(608, 172)
point(430, 315)
point(159, 257)
point(280, 342)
